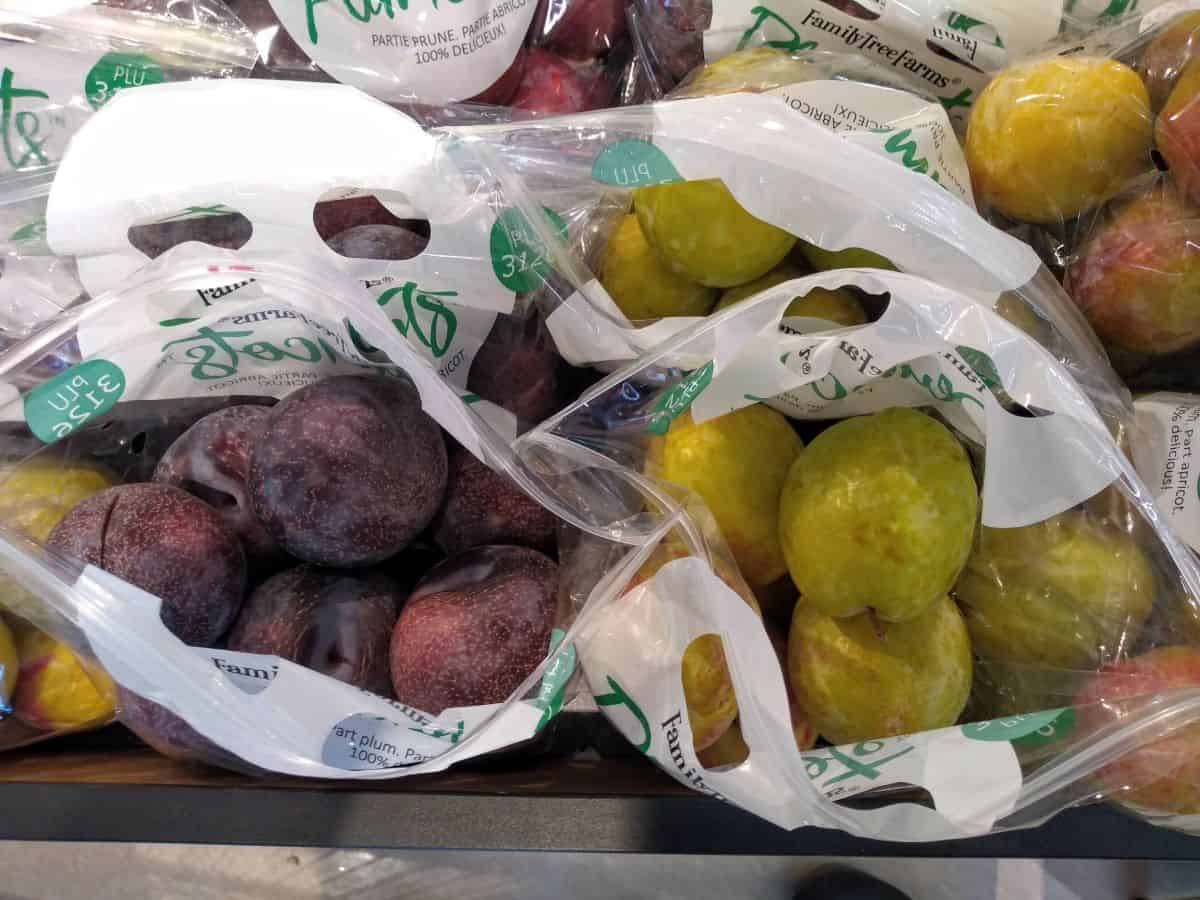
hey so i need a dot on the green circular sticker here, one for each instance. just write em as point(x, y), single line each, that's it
point(518, 254)
point(117, 71)
point(1046, 725)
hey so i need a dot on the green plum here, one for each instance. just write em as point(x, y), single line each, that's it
point(737, 464)
point(641, 285)
point(1065, 593)
point(879, 512)
point(701, 232)
point(858, 678)
point(851, 258)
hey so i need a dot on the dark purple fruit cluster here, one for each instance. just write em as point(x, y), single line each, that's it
point(335, 531)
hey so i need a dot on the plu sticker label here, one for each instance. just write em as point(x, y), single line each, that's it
point(397, 50)
point(519, 256)
point(118, 71)
point(1024, 730)
point(673, 403)
point(554, 682)
point(633, 163)
point(68, 401)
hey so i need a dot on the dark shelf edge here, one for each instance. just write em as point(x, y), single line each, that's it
point(375, 820)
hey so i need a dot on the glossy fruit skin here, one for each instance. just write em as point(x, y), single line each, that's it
point(859, 678)
point(166, 542)
point(474, 628)
point(1037, 150)
point(1168, 55)
point(210, 460)
point(1177, 133)
point(641, 285)
point(586, 29)
point(727, 751)
point(837, 306)
point(336, 623)
point(518, 368)
point(737, 464)
point(483, 506)
point(879, 512)
point(851, 258)
point(1136, 278)
point(10, 662)
point(56, 690)
point(500, 92)
point(1163, 775)
point(699, 231)
point(551, 86)
point(1065, 593)
point(347, 470)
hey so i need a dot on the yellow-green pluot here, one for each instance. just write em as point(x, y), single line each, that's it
point(737, 464)
point(1065, 593)
point(859, 678)
point(878, 512)
point(840, 307)
point(641, 285)
point(851, 258)
point(701, 232)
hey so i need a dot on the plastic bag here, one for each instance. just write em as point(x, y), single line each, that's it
point(197, 678)
point(1063, 659)
point(556, 56)
point(62, 66)
point(860, 173)
point(950, 51)
point(406, 214)
point(1112, 207)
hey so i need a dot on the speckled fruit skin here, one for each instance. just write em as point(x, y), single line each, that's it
point(1163, 775)
point(483, 506)
point(168, 543)
point(851, 258)
point(1038, 147)
point(474, 628)
point(641, 285)
point(518, 368)
point(1168, 55)
point(1177, 132)
point(737, 464)
point(56, 690)
point(210, 460)
point(378, 242)
point(336, 623)
point(859, 678)
point(1065, 593)
point(840, 307)
point(879, 512)
point(701, 232)
point(1137, 278)
point(347, 471)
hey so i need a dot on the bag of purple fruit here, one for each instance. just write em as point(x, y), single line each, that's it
point(949, 50)
point(964, 614)
point(63, 64)
point(543, 58)
point(304, 563)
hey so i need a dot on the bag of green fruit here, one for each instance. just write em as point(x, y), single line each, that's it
point(961, 586)
point(64, 63)
point(1109, 202)
point(407, 213)
point(949, 50)
point(727, 195)
point(313, 557)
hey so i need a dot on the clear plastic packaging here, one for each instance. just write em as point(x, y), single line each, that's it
point(64, 64)
point(948, 50)
point(545, 58)
point(266, 584)
point(937, 438)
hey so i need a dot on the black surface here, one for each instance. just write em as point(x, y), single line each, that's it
point(224, 815)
